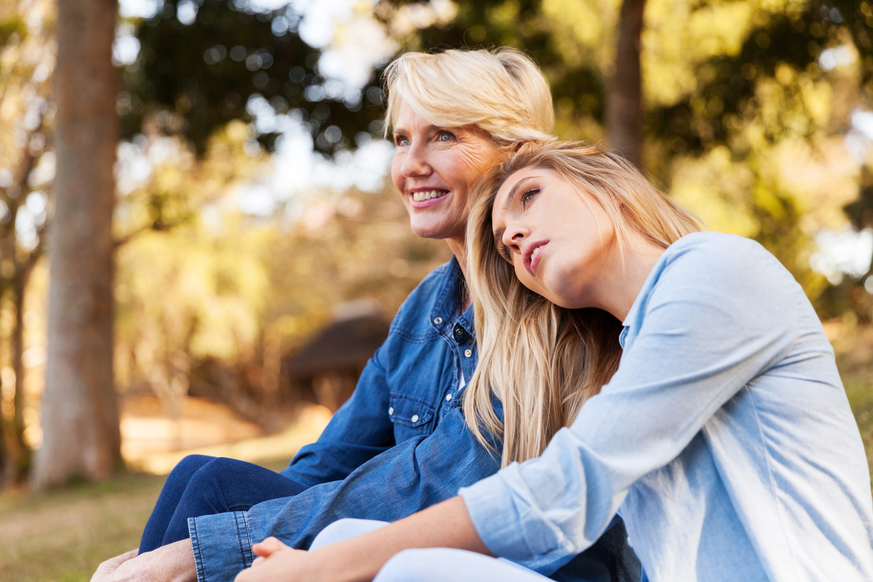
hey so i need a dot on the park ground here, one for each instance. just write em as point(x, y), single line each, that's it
point(63, 535)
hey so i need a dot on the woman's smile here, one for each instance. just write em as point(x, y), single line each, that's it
point(424, 197)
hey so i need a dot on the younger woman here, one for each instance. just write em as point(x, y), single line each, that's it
point(724, 437)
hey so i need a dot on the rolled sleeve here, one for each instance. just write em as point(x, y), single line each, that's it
point(498, 505)
point(222, 545)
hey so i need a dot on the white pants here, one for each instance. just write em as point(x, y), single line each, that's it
point(430, 565)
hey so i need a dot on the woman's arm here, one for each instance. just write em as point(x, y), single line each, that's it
point(445, 525)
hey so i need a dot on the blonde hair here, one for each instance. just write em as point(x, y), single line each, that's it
point(502, 92)
point(543, 361)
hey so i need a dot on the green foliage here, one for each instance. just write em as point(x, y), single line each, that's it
point(9, 27)
point(202, 74)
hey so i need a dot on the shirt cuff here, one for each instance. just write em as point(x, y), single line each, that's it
point(222, 545)
point(508, 522)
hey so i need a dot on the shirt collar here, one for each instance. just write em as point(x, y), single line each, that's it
point(448, 303)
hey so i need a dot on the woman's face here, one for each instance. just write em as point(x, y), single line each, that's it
point(556, 236)
point(433, 169)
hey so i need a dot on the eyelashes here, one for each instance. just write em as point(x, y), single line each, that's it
point(528, 195)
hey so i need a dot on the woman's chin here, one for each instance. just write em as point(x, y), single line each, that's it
point(432, 231)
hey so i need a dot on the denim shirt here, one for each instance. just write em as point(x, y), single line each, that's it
point(398, 445)
point(725, 437)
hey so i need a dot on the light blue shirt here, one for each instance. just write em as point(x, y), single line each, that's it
point(725, 437)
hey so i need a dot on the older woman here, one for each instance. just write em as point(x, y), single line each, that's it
point(722, 433)
point(401, 443)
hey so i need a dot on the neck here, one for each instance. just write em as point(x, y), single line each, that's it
point(459, 249)
point(621, 281)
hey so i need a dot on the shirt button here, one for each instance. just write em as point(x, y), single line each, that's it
point(414, 418)
point(468, 353)
point(390, 411)
point(437, 320)
point(448, 397)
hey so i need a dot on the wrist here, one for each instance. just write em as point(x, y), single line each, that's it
point(186, 567)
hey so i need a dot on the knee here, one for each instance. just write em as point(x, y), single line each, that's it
point(191, 463)
point(344, 529)
point(216, 470)
point(185, 469)
point(407, 566)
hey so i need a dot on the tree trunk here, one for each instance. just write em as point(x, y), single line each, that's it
point(624, 99)
point(80, 410)
point(17, 462)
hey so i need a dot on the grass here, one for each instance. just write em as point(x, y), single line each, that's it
point(62, 536)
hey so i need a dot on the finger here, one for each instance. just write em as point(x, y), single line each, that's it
point(128, 555)
point(268, 547)
point(109, 566)
point(258, 561)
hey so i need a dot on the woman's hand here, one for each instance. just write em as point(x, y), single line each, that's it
point(108, 568)
point(277, 562)
point(171, 563)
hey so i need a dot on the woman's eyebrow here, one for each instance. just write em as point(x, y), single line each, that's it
point(514, 190)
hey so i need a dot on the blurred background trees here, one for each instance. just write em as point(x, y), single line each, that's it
point(251, 194)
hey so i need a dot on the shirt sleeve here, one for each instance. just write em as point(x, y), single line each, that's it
point(409, 477)
point(708, 321)
point(356, 433)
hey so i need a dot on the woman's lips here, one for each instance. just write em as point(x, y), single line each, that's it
point(533, 256)
point(425, 198)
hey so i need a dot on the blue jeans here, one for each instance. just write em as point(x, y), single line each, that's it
point(201, 485)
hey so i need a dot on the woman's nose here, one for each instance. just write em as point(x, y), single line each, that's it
point(415, 163)
point(514, 236)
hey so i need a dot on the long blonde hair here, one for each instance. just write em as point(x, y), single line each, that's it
point(543, 361)
point(501, 91)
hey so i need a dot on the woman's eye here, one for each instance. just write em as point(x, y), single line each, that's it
point(400, 140)
point(528, 195)
point(445, 136)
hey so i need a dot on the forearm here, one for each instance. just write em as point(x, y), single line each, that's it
point(446, 525)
